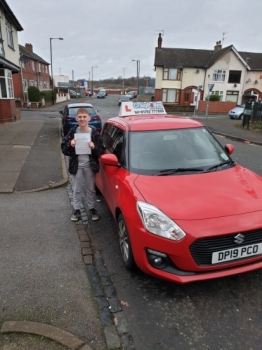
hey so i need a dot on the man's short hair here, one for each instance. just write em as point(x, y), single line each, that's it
point(82, 111)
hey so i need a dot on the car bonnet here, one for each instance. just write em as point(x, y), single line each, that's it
point(202, 196)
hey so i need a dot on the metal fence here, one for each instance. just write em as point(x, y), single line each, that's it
point(252, 113)
point(256, 115)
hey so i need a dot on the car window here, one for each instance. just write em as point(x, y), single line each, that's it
point(73, 110)
point(113, 138)
point(153, 151)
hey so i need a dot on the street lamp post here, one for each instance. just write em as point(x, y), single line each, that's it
point(123, 81)
point(137, 73)
point(93, 77)
point(52, 67)
point(244, 81)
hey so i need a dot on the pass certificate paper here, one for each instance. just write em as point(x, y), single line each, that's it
point(82, 140)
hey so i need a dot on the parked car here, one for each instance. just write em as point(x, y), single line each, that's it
point(123, 98)
point(237, 112)
point(149, 91)
point(101, 94)
point(88, 93)
point(69, 116)
point(104, 91)
point(131, 94)
point(185, 210)
point(74, 94)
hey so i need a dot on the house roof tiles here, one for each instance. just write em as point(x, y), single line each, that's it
point(180, 58)
point(24, 51)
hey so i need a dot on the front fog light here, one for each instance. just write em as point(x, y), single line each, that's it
point(157, 259)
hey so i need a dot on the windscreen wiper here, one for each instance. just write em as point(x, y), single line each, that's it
point(178, 170)
point(227, 162)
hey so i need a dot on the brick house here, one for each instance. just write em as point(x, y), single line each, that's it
point(34, 71)
point(183, 76)
point(9, 61)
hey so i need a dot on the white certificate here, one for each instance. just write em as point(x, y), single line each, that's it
point(82, 143)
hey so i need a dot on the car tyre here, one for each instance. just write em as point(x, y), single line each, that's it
point(125, 245)
point(240, 117)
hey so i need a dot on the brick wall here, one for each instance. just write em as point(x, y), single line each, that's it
point(216, 106)
point(7, 110)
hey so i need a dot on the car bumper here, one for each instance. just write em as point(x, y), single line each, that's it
point(179, 264)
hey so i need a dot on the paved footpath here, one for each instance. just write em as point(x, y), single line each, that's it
point(46, 298)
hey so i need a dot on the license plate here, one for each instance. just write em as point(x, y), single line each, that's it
point(237, 253)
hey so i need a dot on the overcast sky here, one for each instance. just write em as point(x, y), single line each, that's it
point(110, 33)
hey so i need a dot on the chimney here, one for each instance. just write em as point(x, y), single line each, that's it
point(29, 47)
point(159, 41)
point(218, 46)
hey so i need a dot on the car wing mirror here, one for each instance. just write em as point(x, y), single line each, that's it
point(109, 159)
point(229, 148)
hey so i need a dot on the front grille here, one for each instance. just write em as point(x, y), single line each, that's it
point(202, 249)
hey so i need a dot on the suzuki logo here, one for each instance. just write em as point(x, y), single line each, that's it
point(239, 238)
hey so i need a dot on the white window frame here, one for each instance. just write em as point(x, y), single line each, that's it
point(31, 82)
point(219, 75)
point(40, 85)
point(33, 65)
point(25, 85)
point(7, 78)
point(9, 34)
point(220, 93)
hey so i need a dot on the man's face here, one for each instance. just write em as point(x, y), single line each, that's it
point(83, 119)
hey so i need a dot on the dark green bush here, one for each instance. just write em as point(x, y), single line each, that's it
point(34, 94)
point(47, 94)
point(213, 98)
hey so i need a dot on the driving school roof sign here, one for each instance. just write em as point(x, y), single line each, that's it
point(138, 108)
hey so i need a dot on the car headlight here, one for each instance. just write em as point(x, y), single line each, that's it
point(158, 223)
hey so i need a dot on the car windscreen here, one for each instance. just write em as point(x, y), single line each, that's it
point(181, 150)
point(73, 110)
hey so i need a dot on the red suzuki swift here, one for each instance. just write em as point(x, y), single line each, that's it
point(185, 210)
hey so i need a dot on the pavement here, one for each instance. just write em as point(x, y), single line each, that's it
point(55, 293)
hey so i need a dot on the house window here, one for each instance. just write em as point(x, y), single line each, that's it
point(2, 52)
point(9, 34)
point(46, 69)
point(31, 82)
point(40, 85)
point(219, 75)
point(25, 85)
point(35, 83)
point(171, 74)
point(170, 95)
point(46, 84)
point(33, 65)
point(23, 64)
point(234, 76)
point(6, 84)
point(219, 93)
point(232, 96)
point(39, 67)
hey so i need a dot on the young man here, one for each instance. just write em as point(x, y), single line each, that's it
point(84, 145)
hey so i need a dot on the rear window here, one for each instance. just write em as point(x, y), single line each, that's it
point(91, 110)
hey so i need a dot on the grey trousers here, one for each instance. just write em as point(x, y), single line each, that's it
point(84, 183)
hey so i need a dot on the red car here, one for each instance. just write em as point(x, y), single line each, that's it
point(185, 210)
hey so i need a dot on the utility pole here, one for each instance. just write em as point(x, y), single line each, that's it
point(123, 81)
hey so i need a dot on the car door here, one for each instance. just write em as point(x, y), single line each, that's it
point(109, 178)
